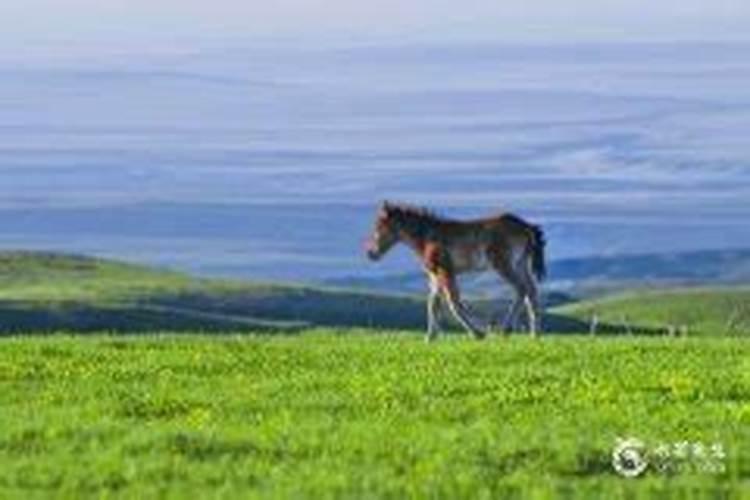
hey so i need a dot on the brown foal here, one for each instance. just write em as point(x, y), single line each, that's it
point(446, 248)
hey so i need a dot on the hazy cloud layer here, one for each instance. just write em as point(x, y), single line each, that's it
point(586, 138)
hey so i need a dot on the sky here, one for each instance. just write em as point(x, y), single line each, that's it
point(148, 21)
point(197, 130)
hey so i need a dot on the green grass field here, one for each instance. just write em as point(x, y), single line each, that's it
point(278, 391)
point(353, 414)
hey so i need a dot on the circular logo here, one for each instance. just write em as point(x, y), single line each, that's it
point(629, 457)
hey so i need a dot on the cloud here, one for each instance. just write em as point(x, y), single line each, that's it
point(322, 19)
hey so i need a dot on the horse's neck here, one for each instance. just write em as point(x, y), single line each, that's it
point(418, 232)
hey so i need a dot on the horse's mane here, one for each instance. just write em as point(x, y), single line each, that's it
point(416, 212)
point(417, 220)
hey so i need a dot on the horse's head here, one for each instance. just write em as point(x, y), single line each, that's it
point(385, 233)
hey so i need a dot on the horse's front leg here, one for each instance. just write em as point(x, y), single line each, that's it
point(453, 298)
point(433, 320)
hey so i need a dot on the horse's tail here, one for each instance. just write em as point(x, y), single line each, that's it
point(537, 244)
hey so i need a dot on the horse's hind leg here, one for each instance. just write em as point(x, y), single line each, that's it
point(453, 298)
point(510, 322)
point(526, 297)
point(509, 274)
point(531, 316)
point(531, 301)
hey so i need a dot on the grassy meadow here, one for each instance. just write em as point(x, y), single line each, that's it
point(118, 381)
point(360, 414)
point(703, 311)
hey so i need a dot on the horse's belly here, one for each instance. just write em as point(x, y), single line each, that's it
point(470, 259)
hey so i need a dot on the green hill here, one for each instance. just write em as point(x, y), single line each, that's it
point(43, 292)
point(715, 311)
point(51, 292)
point(49, 278)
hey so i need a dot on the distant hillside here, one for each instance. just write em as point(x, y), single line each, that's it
point(583, 277)
point(709, 266)
point(45, 292)
point(49, 292)
point(710, 311)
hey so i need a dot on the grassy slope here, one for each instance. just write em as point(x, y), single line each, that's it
point(361, 415)
point(714, 311)
point(49, 292)
point(48, 278)
point(52, 292)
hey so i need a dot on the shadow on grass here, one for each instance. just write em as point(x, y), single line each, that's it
point(272, 311)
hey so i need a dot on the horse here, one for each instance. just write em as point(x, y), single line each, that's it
point(446, 248)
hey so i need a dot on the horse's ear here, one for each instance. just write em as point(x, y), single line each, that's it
point(385, 207)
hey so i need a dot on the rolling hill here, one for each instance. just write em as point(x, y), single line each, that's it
point(48, 292)
point(52, 292)
point(716, 311)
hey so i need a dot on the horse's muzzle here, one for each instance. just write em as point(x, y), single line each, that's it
point(372, 254)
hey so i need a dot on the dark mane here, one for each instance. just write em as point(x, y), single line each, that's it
point(418, 221)
point(418, 212)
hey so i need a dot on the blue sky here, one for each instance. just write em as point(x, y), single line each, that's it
point(135, 22)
